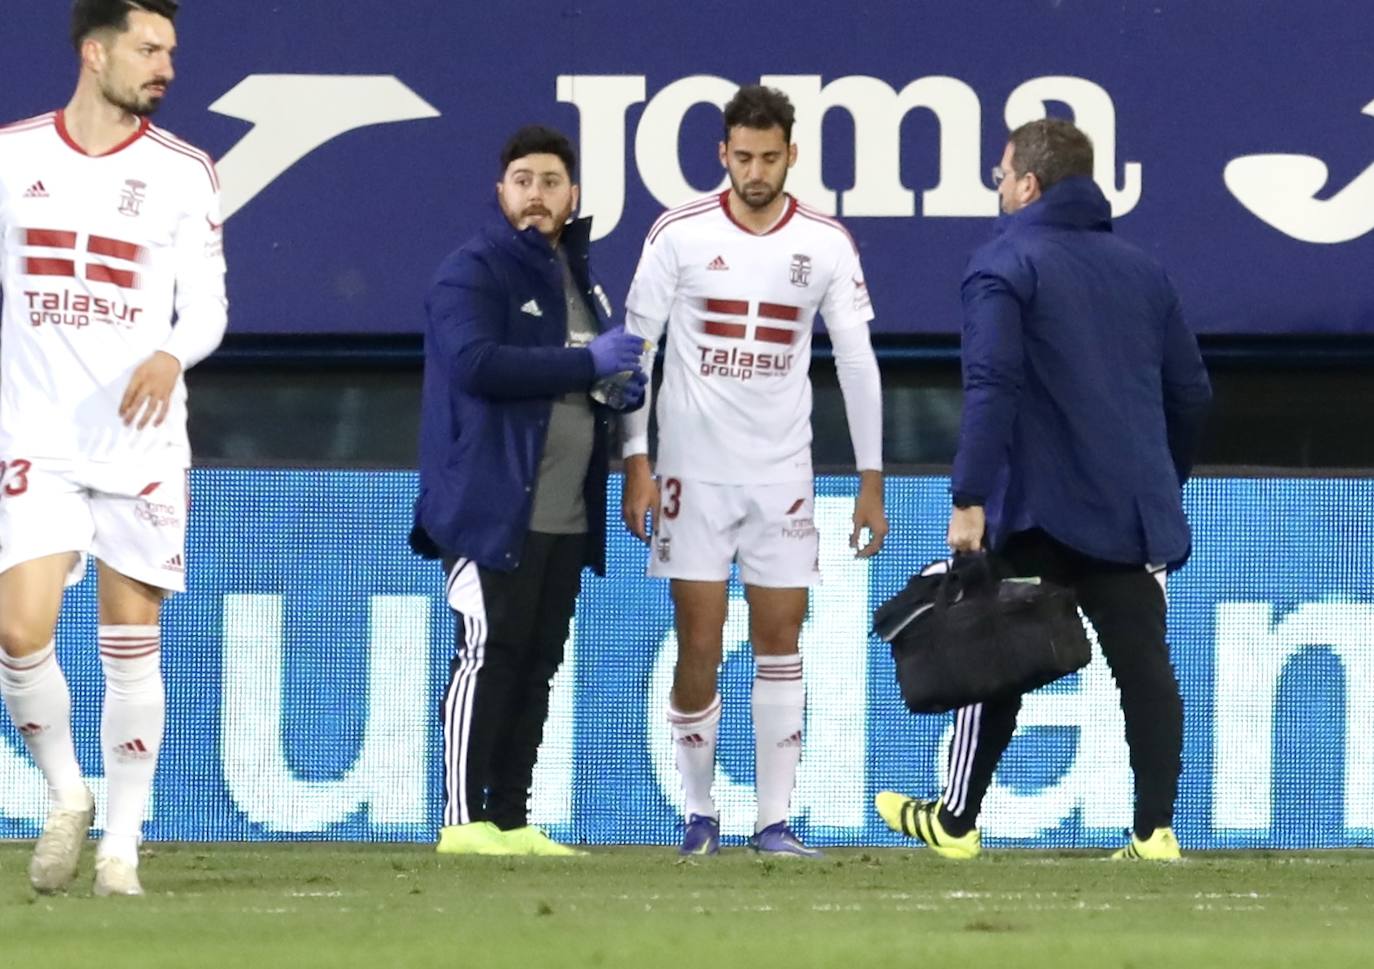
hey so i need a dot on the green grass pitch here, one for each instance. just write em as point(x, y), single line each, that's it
point(305, 905)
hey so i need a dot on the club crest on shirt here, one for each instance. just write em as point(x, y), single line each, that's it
point(131, 197)
point(801, 270)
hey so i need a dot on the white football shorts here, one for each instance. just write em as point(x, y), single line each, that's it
point(769, 530)
point(130, 516)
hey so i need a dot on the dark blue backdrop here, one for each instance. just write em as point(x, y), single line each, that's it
point(345, 238)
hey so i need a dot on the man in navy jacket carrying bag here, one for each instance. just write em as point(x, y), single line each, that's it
point(1083, 396)
point(513, 469)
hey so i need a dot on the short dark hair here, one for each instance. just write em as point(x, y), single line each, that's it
point(1052, 149)
point(88, 16)
point(537, 139)
point(761, 108)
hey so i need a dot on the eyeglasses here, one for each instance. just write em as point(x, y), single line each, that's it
point(1000, 174)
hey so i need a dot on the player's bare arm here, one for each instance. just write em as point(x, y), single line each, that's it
point(639, 504)
point(869, 514)
point(150, 391)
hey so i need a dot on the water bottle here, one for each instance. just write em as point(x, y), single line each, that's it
point(610, 391)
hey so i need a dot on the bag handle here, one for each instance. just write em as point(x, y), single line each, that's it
point(967, 571)
point(977, 569)
point(949, 583)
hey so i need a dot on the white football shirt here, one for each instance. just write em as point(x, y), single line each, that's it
point(739, 307)
point(97, 255)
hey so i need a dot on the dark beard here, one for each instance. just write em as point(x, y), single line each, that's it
point(773, 193)
point(560, 222)
point(131, 104)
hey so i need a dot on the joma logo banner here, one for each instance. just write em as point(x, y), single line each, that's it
point(877, 110)
point(295, 114)
point(1250, 179)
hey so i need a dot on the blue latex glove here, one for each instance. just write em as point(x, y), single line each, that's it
point(634, 390)
point(622, 392)
point(615, 351)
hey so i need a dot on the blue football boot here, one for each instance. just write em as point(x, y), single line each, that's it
point(779, 839)
point(702, 836)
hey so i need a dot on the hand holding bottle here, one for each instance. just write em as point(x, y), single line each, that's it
point(616, 351)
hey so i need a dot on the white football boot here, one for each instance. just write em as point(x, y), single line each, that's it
point(115, 876)
point(55, 856)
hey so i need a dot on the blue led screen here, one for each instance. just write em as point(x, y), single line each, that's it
point(305, 664)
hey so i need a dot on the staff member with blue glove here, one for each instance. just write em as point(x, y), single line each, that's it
point(513, 468)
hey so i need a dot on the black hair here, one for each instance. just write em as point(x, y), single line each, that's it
point(88, 16)
point(761, 108)
point(537, 139)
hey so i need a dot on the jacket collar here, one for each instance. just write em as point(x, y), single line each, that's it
point(529, 245)
point(1074, 203)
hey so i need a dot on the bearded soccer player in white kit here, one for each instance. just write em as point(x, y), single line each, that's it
point(108, 227)
point(737, 279)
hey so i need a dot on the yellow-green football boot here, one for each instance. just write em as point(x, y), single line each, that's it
point(1161, 845)
point(531, 840)
point(921, 820)
point(473, 838)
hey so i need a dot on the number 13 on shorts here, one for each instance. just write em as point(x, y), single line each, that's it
point(14, 477)
point(768, 529)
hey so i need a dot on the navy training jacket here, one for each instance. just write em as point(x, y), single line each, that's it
point(495, 360)
point(1084, 389)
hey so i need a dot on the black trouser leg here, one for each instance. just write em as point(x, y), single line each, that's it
point(496, 621)
point(1128, 611)
point(512, 769)
point(482, 675)
point(981, 735)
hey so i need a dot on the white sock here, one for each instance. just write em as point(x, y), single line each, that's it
point(779, 703)
point(130, 731)
point(694, 742)
point(40, 705)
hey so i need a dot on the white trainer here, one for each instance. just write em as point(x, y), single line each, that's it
point(115, 876)
point(55, 856)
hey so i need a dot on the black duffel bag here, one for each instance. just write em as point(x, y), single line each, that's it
point(973, 633)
